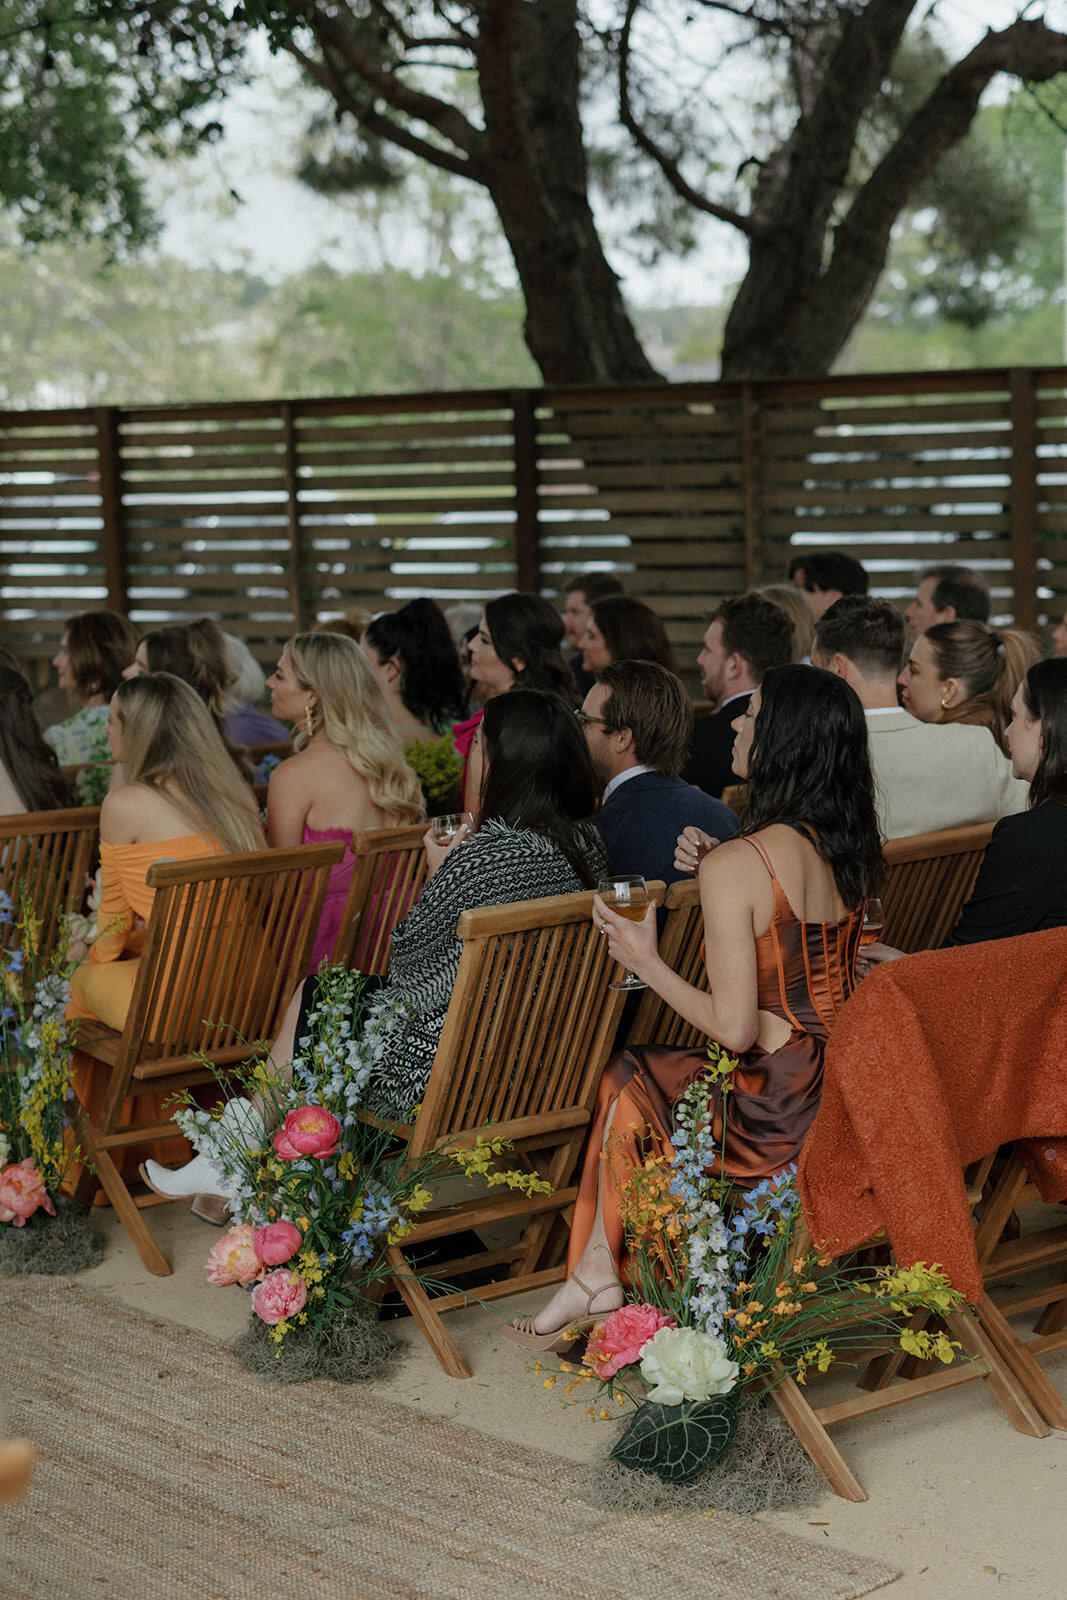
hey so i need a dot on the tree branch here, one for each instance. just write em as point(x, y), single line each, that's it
point(667, 164)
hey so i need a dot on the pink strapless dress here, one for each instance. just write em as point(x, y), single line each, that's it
point(336, 893)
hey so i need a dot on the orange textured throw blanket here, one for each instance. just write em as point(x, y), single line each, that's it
point(935, 1061)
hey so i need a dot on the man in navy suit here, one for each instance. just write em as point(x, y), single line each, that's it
point(746, 637)
point(638, 720)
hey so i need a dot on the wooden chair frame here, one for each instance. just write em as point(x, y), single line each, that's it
point(528, 1030)
point(47, 855)
point(389, 873)
point(228, 939)
point(681, 945)
point(928, 878)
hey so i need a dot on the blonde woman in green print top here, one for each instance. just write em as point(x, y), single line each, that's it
point(414, 659)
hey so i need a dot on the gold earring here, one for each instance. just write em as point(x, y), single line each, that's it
point(944, 705)
point(309, 721)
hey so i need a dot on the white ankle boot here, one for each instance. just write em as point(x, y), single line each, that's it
point(240, 1123)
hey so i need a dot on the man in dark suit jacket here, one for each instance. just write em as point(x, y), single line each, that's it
point(746, 637)
point(638, 720)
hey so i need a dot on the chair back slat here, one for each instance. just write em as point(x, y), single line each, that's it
point(387, 879)
point(531, 1021)
point(45, 857)
point(682, 947)
point(928, 878)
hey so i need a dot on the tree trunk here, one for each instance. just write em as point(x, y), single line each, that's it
point(577, 327)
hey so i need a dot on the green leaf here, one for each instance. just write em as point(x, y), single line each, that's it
point(677, 1442)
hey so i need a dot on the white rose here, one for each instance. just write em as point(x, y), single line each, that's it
point(5, 1149)
point(685, 1364)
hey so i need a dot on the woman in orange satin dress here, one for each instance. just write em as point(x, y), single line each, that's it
point(783, 908)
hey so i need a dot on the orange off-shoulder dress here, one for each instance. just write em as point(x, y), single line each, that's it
point(805, 971)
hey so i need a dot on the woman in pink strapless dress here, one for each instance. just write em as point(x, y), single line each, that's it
point(348, 772)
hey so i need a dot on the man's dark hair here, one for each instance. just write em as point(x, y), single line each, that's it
point(653, 704)
point(869, 632)
point(757, 630)
point(830, 569)
point(960, 587)
point(594, 585)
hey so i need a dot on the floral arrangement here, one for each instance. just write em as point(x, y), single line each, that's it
point(730, 1298)
point(37, 1146)
point(315, 1203)
point(439, 769)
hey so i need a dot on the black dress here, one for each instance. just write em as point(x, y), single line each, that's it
point(1022, 883)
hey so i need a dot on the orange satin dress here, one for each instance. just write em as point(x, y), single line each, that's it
point(805, 971)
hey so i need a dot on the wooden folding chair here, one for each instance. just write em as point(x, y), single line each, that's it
point(388, 876)
point(227, 942)
point(681, 945)
point(47, 856)
point(928, 878)
point(528, 1030)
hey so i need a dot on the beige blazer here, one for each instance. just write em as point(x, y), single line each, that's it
point(931, 775)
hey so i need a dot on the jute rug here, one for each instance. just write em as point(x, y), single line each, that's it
point(166, 1473)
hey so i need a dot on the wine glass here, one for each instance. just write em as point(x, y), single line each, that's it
point(447, 826)
point(873, 921)
point(627, 897)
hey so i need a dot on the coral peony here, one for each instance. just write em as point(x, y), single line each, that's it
point(686, 1364)
point(277, 1242)
point(281, 1294)
point(308, 1131)
point(617, 1342)
point(234, 1258)
point(22, 1192)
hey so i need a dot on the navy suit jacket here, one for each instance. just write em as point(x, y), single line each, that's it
point(641, 820)
point(709, 765)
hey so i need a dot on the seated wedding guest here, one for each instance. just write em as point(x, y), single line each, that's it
point(95, 649)
point(30, 779)
point(246, 723)
point(791, 600)
point(783, 908)
point(349, 771)
point(578, 599)
point(826, 575)
point(532, 840)
point(462, 619)
point(181, 799)
point(517, 646)
point(196, 653)
point(966, 672)
point(621, 628)
point(1022, 883)
point(638, 720)
point(412, 655)
point(926, 775)
point(947, 593)
point(746, 636)
point(1059, 637)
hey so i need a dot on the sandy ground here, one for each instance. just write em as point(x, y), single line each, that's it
point(963, 1504)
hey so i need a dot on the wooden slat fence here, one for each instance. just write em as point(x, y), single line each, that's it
point(271, 514)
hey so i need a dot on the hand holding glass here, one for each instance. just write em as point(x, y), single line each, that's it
point(627, 897)
point(873, 921)
point(447, 826)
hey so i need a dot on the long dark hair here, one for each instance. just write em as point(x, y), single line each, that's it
point(1045, 697)
point(632, 631)
point(538, 771)
point(431, 684)
point(31, 763)
point(525, 627)
point(811, 770)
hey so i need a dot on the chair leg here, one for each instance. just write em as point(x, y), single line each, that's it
point(1009, 1392)
point(126, 1209)
point(1041, 1391)
point(816, 1441)
point(421, 1308)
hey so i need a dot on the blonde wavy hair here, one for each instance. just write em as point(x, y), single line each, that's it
point(793, 601)
point(353, 715)
point(168, 733)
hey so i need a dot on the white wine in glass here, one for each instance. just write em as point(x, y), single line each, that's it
point(627, 897)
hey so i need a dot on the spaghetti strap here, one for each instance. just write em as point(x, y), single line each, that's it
point(765, 858)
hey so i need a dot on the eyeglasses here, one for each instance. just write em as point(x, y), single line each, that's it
point(584, 719)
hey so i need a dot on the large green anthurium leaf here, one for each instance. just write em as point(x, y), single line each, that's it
point(677, 1442)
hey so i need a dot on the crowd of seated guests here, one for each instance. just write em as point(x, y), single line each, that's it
point(860, 746)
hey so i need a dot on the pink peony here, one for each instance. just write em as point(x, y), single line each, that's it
point(617, 1342)
point(22, 1192)
point(275, 1243)
point(308, 1131)
point(234, 1259)
point(281, 1294)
